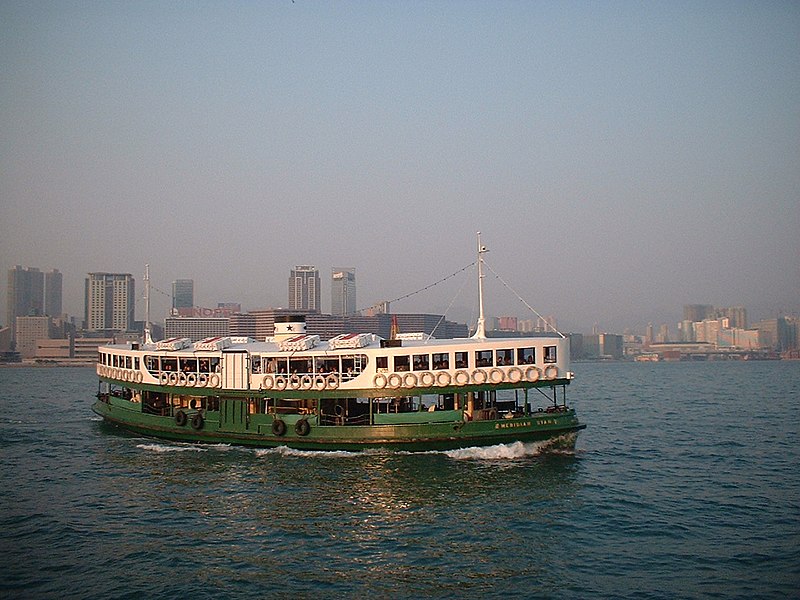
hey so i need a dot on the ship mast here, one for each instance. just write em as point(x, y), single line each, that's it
point(480, 331)
point(148, 339)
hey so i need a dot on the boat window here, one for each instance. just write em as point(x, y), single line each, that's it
point(401, 363)
point(128, 362)
point(461, 360)
point(169, 364)
point(136, 362)
point(549, 354)
point(151, 362)
point(504, 357)
point(271, 365)
point(483, 358)
point(204, 366)
point(189, 365)
point(421, 362)
point(353, 365)
point(327, 365)
point(300, 365)
point(215, 365)
point(382, 362)
point(255, 364)
point(526, 356)
point(441, 361)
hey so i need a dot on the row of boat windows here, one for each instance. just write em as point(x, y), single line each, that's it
point(460, 360)
point(350, 364)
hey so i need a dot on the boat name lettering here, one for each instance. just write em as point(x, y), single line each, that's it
point(512, 425)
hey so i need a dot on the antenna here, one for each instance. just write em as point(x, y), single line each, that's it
point(480, 331)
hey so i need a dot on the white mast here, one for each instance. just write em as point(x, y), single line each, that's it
point(148, 339)
point(480, 331)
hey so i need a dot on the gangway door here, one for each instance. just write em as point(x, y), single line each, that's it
point(234, 371)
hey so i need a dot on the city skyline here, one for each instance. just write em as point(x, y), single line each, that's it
point(621, 160)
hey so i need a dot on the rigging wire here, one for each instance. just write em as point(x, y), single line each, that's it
point(513, 291)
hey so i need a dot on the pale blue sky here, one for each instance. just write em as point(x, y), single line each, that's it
point(621, 158)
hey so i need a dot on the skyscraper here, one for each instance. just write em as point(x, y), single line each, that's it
point(52, 293)
point(183, 293)
point(304, 288)
point(109, 301)
point(343, 291)
point(25, 295)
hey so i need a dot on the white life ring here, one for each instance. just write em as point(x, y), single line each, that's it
point(532, 374)
point(306, 381)
point(294, 381)
point(138, 377)
point(514, 375)
point(163, 378)
point(202, 380)
point(443, 379)
point(319, 382)
point(409, 380)
point(551, 372)
point(280, 382)
point(181, 378)
point(395, 381)
point(461, 378)
point(173, 378)
point(332, 381)
point(191, 379)
point(496, 375)
point(479, 376)
point(268, 382)
point(427, 379)
point(214, 380)
point(379, 381)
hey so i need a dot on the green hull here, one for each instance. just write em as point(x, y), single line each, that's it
point(437, 432)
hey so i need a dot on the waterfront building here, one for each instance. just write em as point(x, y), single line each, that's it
point(29, 330)
point(304, 289)
point(109, 302)
point(53, 281)
point(182, 293)
point(343, 291)
point(196, 328)
point(697, 312)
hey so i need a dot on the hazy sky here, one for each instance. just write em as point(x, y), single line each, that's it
point(621, 159)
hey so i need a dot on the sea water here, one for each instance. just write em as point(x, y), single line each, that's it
point(685, 484)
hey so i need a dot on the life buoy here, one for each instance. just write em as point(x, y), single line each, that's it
point(213, 380)
point(319, 382)
point(479, 376)
point(124, 374)
point(461, 378)
point(163, 378)
point(395, 381)
point(467, 416)
point(514, 375)
point(173, 378)
point(197, 421)
point(302, 427)
point(332, 381)
point(280, 382)
point(268, 382)
point(409, 380)
point(294, 381)
point(181, 378)
point(306, 381)
point(278, 427)
point(379, 381)
point(202, 380)
point(191, 379)
point(139, 377)
point(551, 372)
point(532, 374)
point(180, 418)
point(443, 378)
point(427, 379)
point(496, 375)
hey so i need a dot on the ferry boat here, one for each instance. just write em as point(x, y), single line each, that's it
point(352, 392)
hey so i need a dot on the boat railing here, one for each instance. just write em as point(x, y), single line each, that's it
point(332, 419)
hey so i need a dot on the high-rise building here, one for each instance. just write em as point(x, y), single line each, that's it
point(697, 312)
point(25, 295)
point(304, 288)
point(109, 301)
point(343, 291)
point(52, 293)
point(183, 293)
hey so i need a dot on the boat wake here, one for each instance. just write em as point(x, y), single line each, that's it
point(564, 444)
point(293, 452)
point(162, 448)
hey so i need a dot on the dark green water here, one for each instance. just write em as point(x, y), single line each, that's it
point(686, 484)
